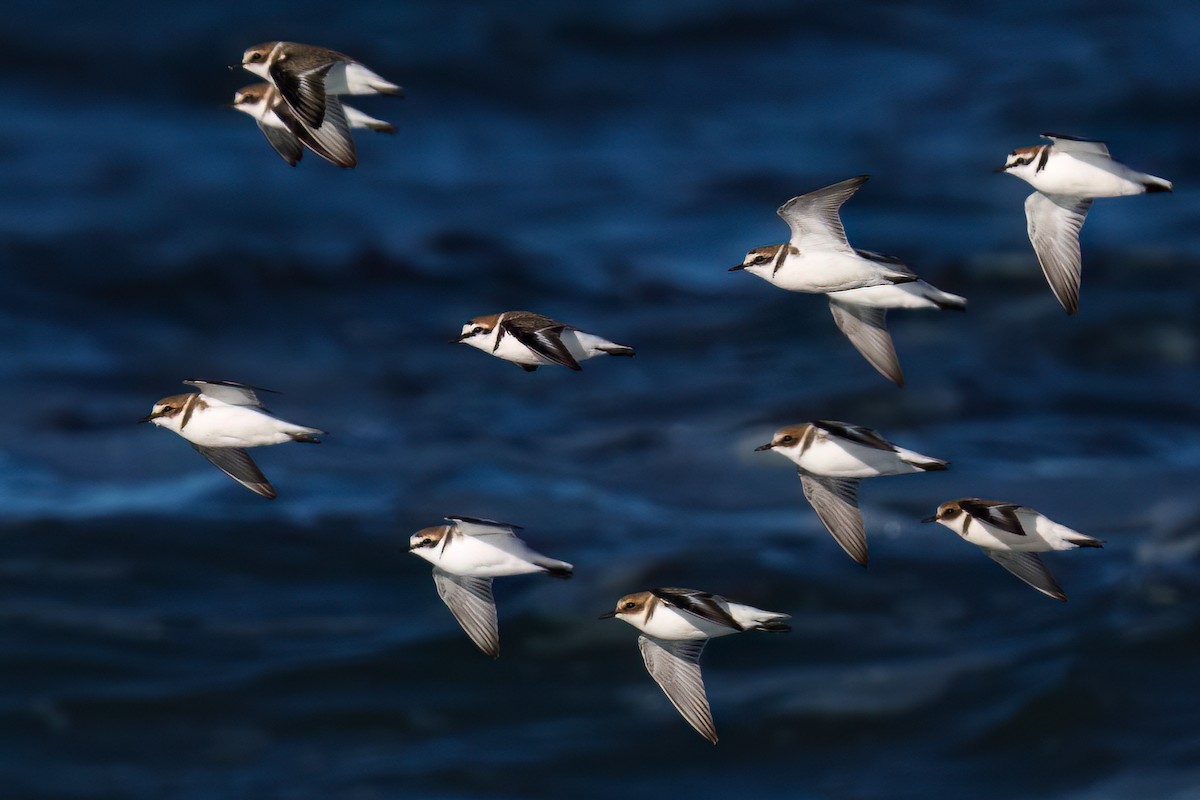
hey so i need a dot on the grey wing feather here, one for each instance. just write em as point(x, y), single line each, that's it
point(1077, 145)
point(1029, 568)
point(470, 601)
point(836, 502)
point(866, 328)
point(484, 523)
point(814, 217)
point(1054, 222)
point(675, 667)
point(235, 394)
point(546, 342)
point(285, 143)
point(237, 464)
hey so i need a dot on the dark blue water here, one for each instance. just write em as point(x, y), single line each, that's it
point(167, 634)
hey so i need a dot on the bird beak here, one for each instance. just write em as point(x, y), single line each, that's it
point(766, 446)
point(460, 337)
point(147, 418)
point(1001, 169)
point(934, 518)
point(608, 615)
point(736, 268)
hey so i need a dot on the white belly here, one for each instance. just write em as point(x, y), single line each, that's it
point(476, 558)
point(1064, 175)
point(835, 458)
point(823, 272)
point(235, 426)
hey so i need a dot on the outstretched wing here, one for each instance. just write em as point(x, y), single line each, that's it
point(470, 601)
point(1029, 568)
point(1054, 222)
point(235, 394)
point(814, 217)
point(675, 667)
point(836, 502)
point(866, 328)
point(1075, 144)
point(284, 142)
point(237, 464)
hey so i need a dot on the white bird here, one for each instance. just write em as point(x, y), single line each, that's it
point(263, 102)
point(221, 421)
point(818, 259)
point(1068, 174)
point(466, 555)
point(675, 626)
point(1012, 536)
point(310, 81)
point(530, 340)
point(861, 285)
point(831, 459)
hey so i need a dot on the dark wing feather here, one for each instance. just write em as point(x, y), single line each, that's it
point(836, 503)
point(303, 89)
point(546, 342)
point(332, 140)
point(470, 601)
point(237, 464)
point(675, 667)
point(702, 604)
point(1029, 568)
point(855, 433)
point(285, 143)
point(999, 515)
point(481, 521)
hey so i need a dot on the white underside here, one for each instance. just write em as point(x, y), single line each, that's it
point(823, 272)
point(233, 426)
point(1042, 534)
point(668, 622)
point(579, 344)
point(914, 294)
point(1066, 175)
point(354, 78)
point(483, 557)
point(838, 458)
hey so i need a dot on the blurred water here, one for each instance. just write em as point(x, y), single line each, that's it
point(169, 635)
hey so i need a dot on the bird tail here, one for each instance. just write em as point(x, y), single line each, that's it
point(774, 625)
point(949, 302)
point(555, 568)
point(922, 462)
point(619, 350)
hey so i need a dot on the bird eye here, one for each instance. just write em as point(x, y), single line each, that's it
point(630, 604)
point(477, 329)
point(165, 409)
point(787, 438)
point(256, 56)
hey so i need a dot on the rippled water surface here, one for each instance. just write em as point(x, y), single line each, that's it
point(167, 634)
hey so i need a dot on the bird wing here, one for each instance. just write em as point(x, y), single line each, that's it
point(470, 601)
point(866, 328)
point(814, 217)
point(836, 502)
point(855, 433)
point(1029, 568)
point(1054, 222)
point(231, 393)
point(331, 140)
point(675, 667)
point(476, 526)
point(995, 513)
point(702, 604)
point(302, 86)
point(1076, 145)
point(545, 341)
point(237, 464)
point(285, 143)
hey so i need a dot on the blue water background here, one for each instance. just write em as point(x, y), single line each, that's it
point(167, 634)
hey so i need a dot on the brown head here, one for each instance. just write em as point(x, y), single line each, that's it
point(428, 537)
point(630, 606)
point(758, 257)
point(790, 436)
